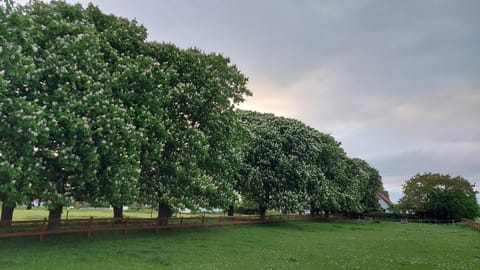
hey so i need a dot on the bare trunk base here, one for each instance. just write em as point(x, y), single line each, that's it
point(7, 213)
point(117, 211)
point(54, 217)
point(163, 213)
point(263, 211)
point(230, 211)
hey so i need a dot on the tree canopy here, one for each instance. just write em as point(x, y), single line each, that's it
point(201, 153)
point(439, 196)
point(99, 114)
point(83, 135)
point(291, 167)
point(370, 183)
point(91, 111)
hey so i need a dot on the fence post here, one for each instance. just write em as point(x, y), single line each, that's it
point(90, 221)
point(203, 221)
point(220, 219)
point(181, 223)
point(43, 228)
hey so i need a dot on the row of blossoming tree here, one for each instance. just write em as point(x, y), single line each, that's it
point(91, 111)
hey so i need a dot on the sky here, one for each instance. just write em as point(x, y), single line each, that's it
point(396, 82)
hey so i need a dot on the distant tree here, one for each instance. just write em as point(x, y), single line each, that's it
point(290, 166)
point(370, 183)
point(440, 196)
point(334, 192)
point(341, 192)
point(282, 168)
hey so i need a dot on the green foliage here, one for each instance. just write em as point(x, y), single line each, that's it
point(20, 120)
point(441, 196)
point(291, 167)
point(273, 175)
point(452, 203)
point(202, 146)
point(90, 111)
point(370, 183)
point(83, 141)
point(98, 114)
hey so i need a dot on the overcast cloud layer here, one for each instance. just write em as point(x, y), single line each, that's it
point(397, 82)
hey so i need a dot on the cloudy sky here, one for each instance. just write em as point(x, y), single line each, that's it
point(397, 82)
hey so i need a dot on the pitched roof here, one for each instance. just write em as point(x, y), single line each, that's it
point(384, 198)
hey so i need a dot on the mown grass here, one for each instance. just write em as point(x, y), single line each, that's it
point(20, 213)
point(36, 213)
point(295, 245)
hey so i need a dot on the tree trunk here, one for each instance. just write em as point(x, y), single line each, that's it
point(263, 211)
point(117, 211)
point(7, 213)
point(163, 213)
point(230, 211)
point(54, 217)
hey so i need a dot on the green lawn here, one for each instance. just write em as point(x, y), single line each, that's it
point(35, 213)
point(296, 245)
point(21, 213)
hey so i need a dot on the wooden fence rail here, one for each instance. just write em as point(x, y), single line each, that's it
point(472, 223)
point(90, 225)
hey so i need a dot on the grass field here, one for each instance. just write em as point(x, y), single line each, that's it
point(295, 245)
point(35, 213)
point(21, 213)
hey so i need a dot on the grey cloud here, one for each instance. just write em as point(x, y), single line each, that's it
point(454, 158)
point(399, 41)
